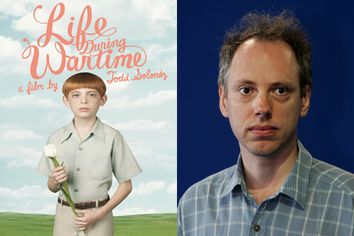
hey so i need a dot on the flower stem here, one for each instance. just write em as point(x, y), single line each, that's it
point(64, 187)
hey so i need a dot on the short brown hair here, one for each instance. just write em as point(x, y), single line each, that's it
point(84, 80)
point(284, 27)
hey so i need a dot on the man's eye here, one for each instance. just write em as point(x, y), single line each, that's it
point(92, 94)
point(75, 95)
point(245, 90)
point(281, 90)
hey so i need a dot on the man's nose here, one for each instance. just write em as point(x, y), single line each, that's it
point(263, 106)
point(84, 99)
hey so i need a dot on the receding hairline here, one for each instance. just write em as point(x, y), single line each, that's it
point(256, 39)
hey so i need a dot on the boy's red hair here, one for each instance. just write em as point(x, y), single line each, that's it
point(84, 80)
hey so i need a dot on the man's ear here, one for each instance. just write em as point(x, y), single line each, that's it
point(223, 101)
point(103, 100)
point(65, 101)
point(305, 101)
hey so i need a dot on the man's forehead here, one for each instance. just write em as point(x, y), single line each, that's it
point(260, 60)
point(256, 45)
point(84, 90)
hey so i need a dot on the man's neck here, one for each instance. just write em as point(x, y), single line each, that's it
point(264, 176)
point(84, 126)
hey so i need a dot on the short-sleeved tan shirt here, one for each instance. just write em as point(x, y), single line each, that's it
point(91, 162)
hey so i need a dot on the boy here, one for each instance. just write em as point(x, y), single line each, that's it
point(90, 152)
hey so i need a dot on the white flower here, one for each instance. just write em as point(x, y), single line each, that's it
point(50, 151)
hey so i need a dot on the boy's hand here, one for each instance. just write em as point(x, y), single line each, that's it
point(59, 175)
point(86, 218)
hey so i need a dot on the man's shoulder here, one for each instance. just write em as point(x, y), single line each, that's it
point(109, 130)
point(333, 176)
point(58, 133)
point(211, 186)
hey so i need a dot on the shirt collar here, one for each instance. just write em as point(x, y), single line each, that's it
point(68, 131)
point(294, 187)
point(233, 179)
point(97, 130)
point(296, 184)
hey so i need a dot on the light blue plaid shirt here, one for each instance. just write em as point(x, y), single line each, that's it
point(316, 199)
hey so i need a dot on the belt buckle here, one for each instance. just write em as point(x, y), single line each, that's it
point(96, 203)
point(61, 201)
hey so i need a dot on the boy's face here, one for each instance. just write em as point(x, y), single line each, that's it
point(84, 102)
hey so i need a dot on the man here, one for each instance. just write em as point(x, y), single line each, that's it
point(276, 187)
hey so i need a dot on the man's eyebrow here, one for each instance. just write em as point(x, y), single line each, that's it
point(245, 82)
point(286, 83)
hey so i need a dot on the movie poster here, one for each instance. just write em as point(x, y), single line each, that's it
point(132, 46)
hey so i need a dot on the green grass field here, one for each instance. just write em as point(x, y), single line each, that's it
point(15, 224)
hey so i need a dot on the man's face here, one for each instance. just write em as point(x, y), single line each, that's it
point(84, 102)
point(263, 101)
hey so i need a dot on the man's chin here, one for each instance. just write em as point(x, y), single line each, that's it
point(263, 148)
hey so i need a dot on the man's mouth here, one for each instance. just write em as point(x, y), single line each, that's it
point(263, 130)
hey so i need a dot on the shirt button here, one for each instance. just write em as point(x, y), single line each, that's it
point(77, 169)
point(256, 228)
point(81, 148)
point(76, 190)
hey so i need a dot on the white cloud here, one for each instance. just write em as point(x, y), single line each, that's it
point(133, 211)
point(172, 188)
point(157, 10)
point(141, 19)
point(151, 157)
point(149, 188)
point(10, 49)
point(12, 8)
point(153, 99)
point(167, 162)
point(6, 126)
point(20, 134)
point(153, 187)
point(22, 25)
point(10, 60)
point(25, 192)
point(27, 24)
point(27, 199)
point(155, 51)
point(141, 149)
point(19, 156)
point(141, 125)
point(32, 101)
point(150, 100)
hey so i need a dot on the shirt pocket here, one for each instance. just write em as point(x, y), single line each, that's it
point(100, 167)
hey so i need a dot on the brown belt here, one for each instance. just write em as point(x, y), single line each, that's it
point(85, 205)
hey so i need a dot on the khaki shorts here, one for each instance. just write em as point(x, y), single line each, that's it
point(64, 224)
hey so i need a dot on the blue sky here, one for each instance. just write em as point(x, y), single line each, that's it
point(143, 111)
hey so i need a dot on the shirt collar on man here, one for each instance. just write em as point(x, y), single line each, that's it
point(233, 178)
point(294, 187)
point(97, 130)
point(297, 183)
